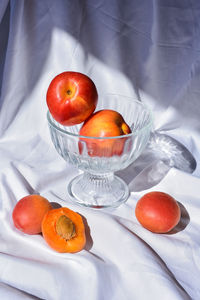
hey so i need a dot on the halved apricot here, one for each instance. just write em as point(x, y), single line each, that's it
point(64, 230)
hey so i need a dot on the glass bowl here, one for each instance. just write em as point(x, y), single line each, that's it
point(97, 186)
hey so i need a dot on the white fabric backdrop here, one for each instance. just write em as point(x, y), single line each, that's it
point(146, 49)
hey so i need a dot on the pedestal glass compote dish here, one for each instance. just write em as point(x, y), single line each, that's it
point(97, 186)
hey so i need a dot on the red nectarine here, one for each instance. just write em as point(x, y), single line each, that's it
point(71, 98)
point(104, 123)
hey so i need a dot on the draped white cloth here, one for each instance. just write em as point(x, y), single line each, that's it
point(145, 49)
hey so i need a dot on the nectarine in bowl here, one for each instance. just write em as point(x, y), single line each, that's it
point(109, 140)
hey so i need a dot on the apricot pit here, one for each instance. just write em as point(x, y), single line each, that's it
point(65, 227)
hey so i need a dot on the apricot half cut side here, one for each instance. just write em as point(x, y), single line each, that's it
point(64, 230)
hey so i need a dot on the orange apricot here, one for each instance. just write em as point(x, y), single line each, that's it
point(158, 212)
point(28, 213)
point(64, 230)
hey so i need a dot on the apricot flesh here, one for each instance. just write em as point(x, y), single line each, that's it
point(104, 123)
point(64, 230)
point(158, 212)
point(29, 212)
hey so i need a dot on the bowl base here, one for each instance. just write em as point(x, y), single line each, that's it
point(98, 191)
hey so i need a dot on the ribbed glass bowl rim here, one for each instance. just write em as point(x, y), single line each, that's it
point(134, 132)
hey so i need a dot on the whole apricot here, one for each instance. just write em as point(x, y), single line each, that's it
point(158, 212)
point(105, 123)
point(63, 230)
point(28, 213)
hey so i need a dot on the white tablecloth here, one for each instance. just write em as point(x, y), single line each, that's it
point(146, 49)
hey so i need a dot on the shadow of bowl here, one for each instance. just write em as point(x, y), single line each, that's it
point(161, 154)
point(171, 151)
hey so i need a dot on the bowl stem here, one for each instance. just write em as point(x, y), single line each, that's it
point(98, 190)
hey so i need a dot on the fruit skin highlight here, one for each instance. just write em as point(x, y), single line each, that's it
point(158, 212)
point(104, 123)
point(28, 213)
point(71, 98)
point(64, 230)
